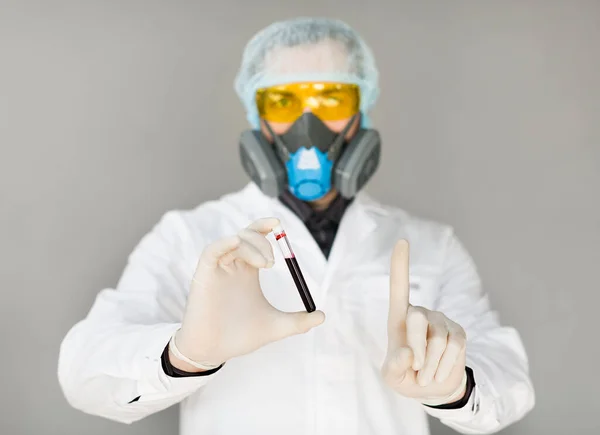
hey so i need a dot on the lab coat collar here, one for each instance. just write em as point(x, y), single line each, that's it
point(354, 236)
point(352, 242)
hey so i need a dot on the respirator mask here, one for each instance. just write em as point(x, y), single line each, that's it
point(309, 158)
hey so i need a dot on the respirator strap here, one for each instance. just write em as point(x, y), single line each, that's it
point(284, 154)
point(336, 146)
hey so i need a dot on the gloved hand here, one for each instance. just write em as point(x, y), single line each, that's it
point(227, 314)
point(426, 351)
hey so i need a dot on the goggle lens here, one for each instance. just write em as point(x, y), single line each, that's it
point(328, 101)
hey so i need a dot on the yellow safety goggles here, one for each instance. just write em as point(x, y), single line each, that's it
point(328, 101)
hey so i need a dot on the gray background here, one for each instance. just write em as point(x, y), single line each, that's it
point(113, 112)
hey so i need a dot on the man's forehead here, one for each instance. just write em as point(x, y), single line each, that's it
point(326, 56)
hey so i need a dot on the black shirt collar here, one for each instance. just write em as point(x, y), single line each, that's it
point(309, 216)
point(322, 224)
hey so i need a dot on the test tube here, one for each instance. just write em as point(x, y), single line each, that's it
point(292, 264)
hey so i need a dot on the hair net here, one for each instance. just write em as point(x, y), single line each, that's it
point(306, 49)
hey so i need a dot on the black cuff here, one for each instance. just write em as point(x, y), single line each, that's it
point(462, 402)
point(174, 372)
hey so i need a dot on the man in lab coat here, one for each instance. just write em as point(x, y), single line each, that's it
point(207, 315)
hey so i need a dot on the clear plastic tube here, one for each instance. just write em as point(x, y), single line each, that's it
point(294, 268)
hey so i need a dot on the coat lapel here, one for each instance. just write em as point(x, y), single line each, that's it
point(353, 238)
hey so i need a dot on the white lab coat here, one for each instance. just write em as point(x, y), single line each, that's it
point(325, 382)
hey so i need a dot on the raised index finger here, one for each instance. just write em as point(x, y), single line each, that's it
point(399, 285)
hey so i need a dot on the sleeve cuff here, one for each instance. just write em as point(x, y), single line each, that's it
point(155, 382)
point(174, 372)
point(465, 399)
point(463, 410)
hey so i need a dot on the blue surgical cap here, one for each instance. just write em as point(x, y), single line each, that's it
point(303, 50)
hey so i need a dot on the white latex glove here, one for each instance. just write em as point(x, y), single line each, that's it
point(227, 314)
point(426, 351)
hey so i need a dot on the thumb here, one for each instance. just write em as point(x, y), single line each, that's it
point(396, 365)
point(288, 324)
